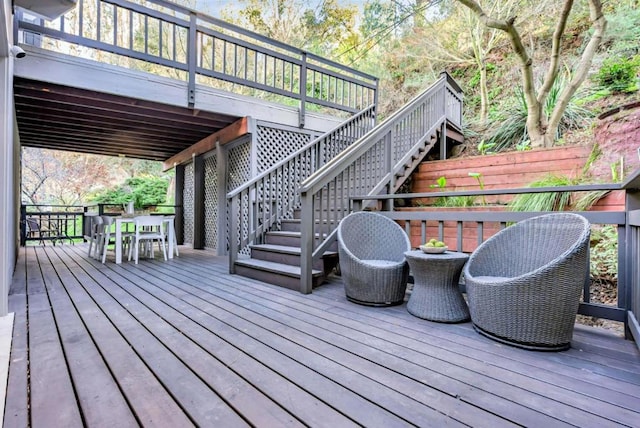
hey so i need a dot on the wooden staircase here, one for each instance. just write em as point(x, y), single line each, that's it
point(265, 243)
point(277, 261)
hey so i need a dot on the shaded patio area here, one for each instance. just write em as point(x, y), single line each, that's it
point(183, 343)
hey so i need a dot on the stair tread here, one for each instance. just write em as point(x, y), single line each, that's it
point(284, 233)
point(286, 249)
point(275, 267)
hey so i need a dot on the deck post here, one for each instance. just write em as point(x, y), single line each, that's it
point(179, 203)
point(221, 179)
point(198, 202)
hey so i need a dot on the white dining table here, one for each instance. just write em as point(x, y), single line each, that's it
point(122, 220)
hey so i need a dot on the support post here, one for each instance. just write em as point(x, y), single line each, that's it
point(221, 179)
point(179, 203)
point(198, 203)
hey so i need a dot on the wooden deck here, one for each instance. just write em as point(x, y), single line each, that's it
point(184, 343)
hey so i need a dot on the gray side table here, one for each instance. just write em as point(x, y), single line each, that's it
point(435, 294)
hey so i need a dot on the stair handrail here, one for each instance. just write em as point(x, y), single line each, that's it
point(323, 197)
point(272, 196)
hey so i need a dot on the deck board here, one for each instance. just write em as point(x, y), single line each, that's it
point(182, 343)
point(450, 373)
point(148, 399)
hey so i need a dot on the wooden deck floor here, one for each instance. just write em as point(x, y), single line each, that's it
point(183, 343)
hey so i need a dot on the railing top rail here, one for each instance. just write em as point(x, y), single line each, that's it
point(292, 156)
point(596, 217)
point(228, 26)
point(452, 82)
point(633, 181)
point(491, 192)
point(370, 137)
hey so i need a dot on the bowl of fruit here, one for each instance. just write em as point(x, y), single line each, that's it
point(434, 247)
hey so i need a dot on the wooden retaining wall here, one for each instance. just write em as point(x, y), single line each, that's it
point(505, 170)
point(509, 170)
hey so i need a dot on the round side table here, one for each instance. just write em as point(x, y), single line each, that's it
point(435, 294)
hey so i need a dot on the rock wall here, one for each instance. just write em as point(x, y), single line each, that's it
point(618, 136)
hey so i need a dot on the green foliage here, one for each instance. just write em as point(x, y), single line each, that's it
point(478, 177)
point(624, 19)
point(604, 252)
point(475, 79)
point(455, 201)
point(512, 130)
point(551, 201)
point(441, 183)
point(143, 191)
point(588, 200)
point(619, 74)
point(485, 147)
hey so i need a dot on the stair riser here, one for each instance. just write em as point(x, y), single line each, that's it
point(290, 226)
point(294, 226)
point(325, 264)
point(342, 213)
point(287, 259)
point(289, 241)
point(274, 278)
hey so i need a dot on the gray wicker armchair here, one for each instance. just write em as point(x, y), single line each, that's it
point(372, 263)
point(524, 283)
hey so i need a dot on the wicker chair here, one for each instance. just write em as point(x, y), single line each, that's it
point(372, 263)
point(524, 283)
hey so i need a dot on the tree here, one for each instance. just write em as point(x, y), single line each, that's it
point(541, 130)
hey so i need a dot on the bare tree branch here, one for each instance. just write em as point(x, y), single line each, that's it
point(599, 24)
point(554, 65)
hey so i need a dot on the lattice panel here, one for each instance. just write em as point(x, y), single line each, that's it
point(275, 144)
point(239, 172)
point(211, 202)
point(187, 197)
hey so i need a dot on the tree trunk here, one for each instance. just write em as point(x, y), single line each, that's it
point(542, 132)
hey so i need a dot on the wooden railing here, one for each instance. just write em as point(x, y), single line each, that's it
point(484, 223)
point(196, 47)
point(273, 196)
point(370, 166)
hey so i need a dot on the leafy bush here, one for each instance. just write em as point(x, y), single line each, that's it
point(619, 74)
point(604, 252)
point(143, 191)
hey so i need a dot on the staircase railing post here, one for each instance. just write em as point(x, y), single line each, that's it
point(306, 242)
point(389, 155)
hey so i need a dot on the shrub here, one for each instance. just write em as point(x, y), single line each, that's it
point(619, 74)
point(512, 130)
point(143, 191)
